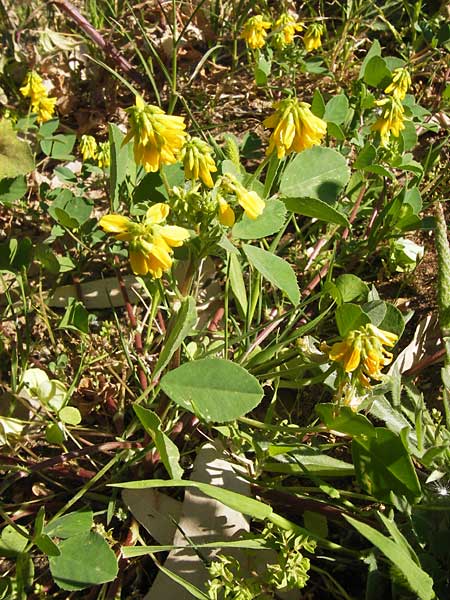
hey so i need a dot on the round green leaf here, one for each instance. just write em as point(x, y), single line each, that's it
point(85, 560)
point(318, 173)
point(214, 389)
point(70, 415)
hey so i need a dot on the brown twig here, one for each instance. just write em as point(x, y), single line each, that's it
point(107, 47)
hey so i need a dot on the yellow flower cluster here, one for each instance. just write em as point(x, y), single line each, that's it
point(362, 351)
point(391, 119)
point(88, 147)
point(294, 126)
point(285, 28)
point(91, 150)
point(313, 36)
point(197, 160)
point(400, 84)
point(158, 137)
point(254, 32)
point(151, 242)
point(40, 102)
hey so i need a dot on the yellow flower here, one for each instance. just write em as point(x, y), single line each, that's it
point(285, 28)
point(312, 37)
point(254, 31)
point(88, 147)
point(151, 242)
point(197, 160)
point(226, 213)
point(401, 82)
point(158, 138)
point(44, 109)
point(363, 350)
point(104, 155)
point(250, 201)
point(294, 126)
point(33, 87)
point(391, 119)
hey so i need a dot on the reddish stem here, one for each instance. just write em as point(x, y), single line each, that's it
point(108, 48)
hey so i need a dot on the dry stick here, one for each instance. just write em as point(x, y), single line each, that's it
point(324, 270)
point(133, 324)
point(108, 48)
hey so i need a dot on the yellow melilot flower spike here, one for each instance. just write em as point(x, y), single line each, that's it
point(197, 160)
point(312, 38)
point(254, 31)
point(158, 137)
point(88, 147)
point(400, 84)
point(151, 242)
point(294, 126)
point(285, 28)
point(391, 120)
point(362, 351)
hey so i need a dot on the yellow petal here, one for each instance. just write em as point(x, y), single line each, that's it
point(115, 223)
point(252, 204)
point(174, 235)
point(157, 213)
point(226, 213)
point(138, 262)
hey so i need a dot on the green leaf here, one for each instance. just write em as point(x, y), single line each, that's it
point(351, 288)
point(85, 560)
point(168, 451)
point(45, 255)
point(417, 578)
point(377, 73)
point(70, 415)
point(214, 389)
point(237, 283)
point(336, 109)
point(12, 542)
point(366, 157)
point(269, 222)
point(69, 525)
point(15, 154)
point(312, 464)
point(274, 269)
point(393, 320)
point(349, 317)
point(317, 172)
point(187, 585)
point(316, 209)
point(383, 465)
point(253, 544)
point(121, 162)
point(12, 189)
point(46, 545)
point(76, 317)
point(262, 70)
point(345, 420)
point(15, 254)
point(318, 104)
point(243, 504)
point(375, 50)
point(183, 325)
point(59, 146)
